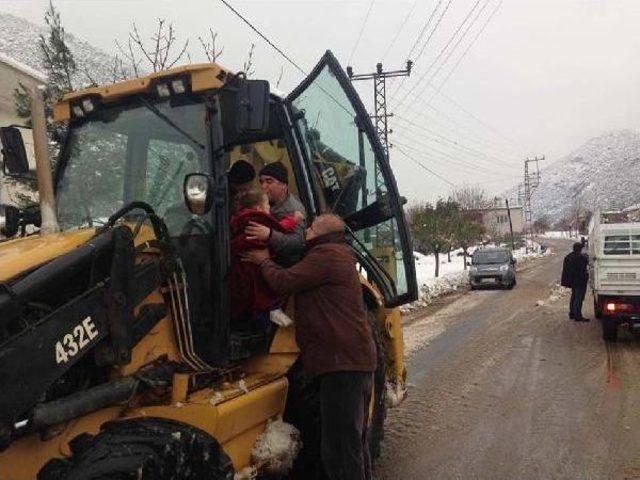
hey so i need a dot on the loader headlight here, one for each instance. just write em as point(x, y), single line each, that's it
point(504, 268)
point(163, 90)
point(77, 111)
point(175, 86)
point(179, 86)
point(84, 107)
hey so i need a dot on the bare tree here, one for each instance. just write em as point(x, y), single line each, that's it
point(158, 54)
point(470, 197)
point(209, 47)
point(280, 76)
point(247, 67)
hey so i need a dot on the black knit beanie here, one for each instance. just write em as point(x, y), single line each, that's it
point(276, 170)
point(241, 172)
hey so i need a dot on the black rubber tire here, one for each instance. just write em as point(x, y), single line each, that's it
point(609, 331)
point(302, 410)
point(596, 310)
point(142, 448)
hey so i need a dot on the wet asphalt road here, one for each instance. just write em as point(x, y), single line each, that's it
point(512, 390)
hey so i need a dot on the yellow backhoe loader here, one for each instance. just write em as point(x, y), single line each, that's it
point(118, 357)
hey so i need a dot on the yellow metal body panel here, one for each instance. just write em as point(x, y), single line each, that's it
point(21, 255)
point(204, 76)
point(24, 458)
point(235, 414)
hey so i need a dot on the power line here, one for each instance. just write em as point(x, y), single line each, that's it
point(364, 23)
point(442, 51)
point(264, 37)
point(399, 30)
point(455, 46)
point(444, 12)
point(480, 121)
point(429, 38)
point(456, 144)
point(425, 26)
point(475, 39)
point(450, 158)
point(422, 102)
point(457, 125)
point(424, 167)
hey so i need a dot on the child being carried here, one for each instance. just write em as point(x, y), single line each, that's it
point(250, 295)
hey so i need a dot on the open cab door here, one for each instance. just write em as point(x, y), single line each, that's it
point(353, 174)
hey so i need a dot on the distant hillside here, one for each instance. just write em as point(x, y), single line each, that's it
point(603, 173)
point(19, 40)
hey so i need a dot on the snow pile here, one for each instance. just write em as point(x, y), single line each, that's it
point(396, 393)
point(276, 448)
point(558, 292)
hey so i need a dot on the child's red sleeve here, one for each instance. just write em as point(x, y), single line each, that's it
point(288, 223)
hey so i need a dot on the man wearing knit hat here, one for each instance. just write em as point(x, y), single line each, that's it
point(288, 247)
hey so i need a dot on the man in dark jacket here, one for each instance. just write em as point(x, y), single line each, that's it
point(335, 340)
point(575, 276)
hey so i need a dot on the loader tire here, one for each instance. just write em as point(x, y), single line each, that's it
point(142, 448)
point(303, 412)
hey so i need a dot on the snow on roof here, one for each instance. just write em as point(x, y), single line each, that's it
point(26, 69)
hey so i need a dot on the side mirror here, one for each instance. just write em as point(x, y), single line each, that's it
point(15, 156)
point(9, 220)
point(198, 193)
point(252, 112)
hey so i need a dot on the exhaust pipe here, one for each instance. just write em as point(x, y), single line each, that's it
point(43, 166)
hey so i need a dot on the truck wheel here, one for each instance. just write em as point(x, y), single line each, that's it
point(142, 448)
point(609, 331)
point(303, 412)
point(596, 309)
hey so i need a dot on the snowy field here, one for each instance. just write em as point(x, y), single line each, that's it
point(453, 276)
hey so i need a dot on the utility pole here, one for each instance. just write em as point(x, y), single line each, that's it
point(384, 235)
point(513, 247)
point(531, 182)
point(381, 117)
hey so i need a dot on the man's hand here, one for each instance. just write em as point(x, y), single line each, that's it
point(254, 231)
point(255, 256)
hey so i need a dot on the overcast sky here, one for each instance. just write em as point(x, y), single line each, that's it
point(541, 78)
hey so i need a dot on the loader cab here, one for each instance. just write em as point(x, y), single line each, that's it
point(161, 145)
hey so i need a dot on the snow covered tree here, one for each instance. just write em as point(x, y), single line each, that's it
point(470, 197)
point(467, 233)
point(60, 67)
point(433, 227)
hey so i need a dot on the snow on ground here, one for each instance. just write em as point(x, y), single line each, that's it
point(567, 235)
point(453, 276)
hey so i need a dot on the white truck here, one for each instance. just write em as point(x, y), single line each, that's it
point(614, 264)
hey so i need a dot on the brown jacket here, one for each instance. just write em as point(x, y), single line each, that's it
point(331, 325)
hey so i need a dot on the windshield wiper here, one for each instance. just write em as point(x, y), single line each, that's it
point(170, 122)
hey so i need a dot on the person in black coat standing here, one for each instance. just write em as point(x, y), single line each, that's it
point(575, 276)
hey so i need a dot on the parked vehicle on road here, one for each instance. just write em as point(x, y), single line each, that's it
point(614, 270)
point(492, 267)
